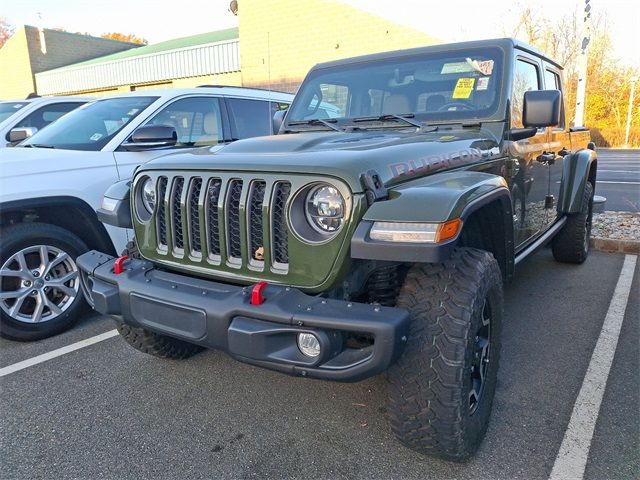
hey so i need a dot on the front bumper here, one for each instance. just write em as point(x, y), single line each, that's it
point(218, 315)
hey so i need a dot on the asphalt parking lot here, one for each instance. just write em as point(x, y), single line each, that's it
point(107, 411)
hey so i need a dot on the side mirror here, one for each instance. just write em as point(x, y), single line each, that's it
point(19, 134)
point(542, 108)
point(278, 119)
point(152, 136)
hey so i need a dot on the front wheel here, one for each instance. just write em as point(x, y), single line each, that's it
point(441, 389)
point(40, 292)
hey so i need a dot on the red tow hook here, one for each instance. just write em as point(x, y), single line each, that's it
point(256, 293)
point(118, 265)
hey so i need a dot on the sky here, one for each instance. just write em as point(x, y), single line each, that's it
point(469, 19)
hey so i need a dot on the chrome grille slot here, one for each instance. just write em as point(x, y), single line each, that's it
point(232, 215)
point(254, 222)
point(211, 216)
point(195, 187)
point(279, 229)
point(176, 213)
point(162, 213)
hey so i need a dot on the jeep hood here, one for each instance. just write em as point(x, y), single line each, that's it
point(396, 154)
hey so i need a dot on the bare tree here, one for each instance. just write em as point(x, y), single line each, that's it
point(6, 31)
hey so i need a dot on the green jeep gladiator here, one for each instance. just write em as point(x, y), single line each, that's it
point(373, 234)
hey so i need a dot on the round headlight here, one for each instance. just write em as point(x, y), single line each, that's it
point(325, 208)
point(149, 195)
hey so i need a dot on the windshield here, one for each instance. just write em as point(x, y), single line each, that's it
point(9, 108)
point(92, 126)
point(444, 86)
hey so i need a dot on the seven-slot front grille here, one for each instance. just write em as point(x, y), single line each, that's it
point(241, 222)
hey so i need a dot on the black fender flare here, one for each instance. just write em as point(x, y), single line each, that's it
point(576, 171)
point(436, 199)
point(83, 220)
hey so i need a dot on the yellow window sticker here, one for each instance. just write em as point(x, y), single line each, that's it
point(464, 87)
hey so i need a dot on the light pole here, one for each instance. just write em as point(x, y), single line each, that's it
point(630, 110)
point(582, 67)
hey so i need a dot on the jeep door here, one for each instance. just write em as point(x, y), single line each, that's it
point(529, 178)
point(559, 142)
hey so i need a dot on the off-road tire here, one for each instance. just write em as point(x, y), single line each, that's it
point(429, 406)
point(156, 344)
point(571, 244)
point(17, 237)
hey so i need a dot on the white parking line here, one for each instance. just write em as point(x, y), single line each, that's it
point(620, 183)
point(574, 451)
point(56, 353)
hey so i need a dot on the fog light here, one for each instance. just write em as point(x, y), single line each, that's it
point(308, 344)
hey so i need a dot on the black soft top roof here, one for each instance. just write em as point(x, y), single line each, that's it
point(505, 43)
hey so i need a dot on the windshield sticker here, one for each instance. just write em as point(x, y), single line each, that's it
point(95, 137)
point(132, 112)
point(485, 67)
point(17, 105)
point(483, 83)
point(457, 67)
point(464, 87)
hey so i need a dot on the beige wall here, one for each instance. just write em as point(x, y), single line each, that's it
point(29, 52)
point(280, 40)
point(16, 78)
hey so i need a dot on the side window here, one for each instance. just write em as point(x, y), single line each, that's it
point(526, 77)
point(197, 121)
point(43, 116)
point(552, 82)
point(250, 118)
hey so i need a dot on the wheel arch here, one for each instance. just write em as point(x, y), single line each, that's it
point(482, 201)
point(70, 213)
point(578, 168)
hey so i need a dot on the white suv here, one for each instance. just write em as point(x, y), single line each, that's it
point(20, 119)
point(52, 183)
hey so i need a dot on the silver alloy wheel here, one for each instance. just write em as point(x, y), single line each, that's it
point(38, 283)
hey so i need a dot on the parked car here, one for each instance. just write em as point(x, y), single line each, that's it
point(51, 185)
point(377, 240)
point(20, 119)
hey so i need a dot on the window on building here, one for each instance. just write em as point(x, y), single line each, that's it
point(526, 77)
point(197, 121)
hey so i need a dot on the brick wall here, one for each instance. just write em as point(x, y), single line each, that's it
point(281, 40)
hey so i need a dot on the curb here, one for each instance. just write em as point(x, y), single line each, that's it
point(615, 245)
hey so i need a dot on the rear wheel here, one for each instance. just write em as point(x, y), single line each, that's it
point(40, 292)
point(442, 388)
point(571, 244)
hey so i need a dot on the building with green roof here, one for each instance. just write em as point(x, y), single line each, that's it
point(211, 57)
point(32, 50)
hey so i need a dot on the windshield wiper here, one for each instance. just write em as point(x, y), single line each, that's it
point(317, 121)
point(390, 116)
